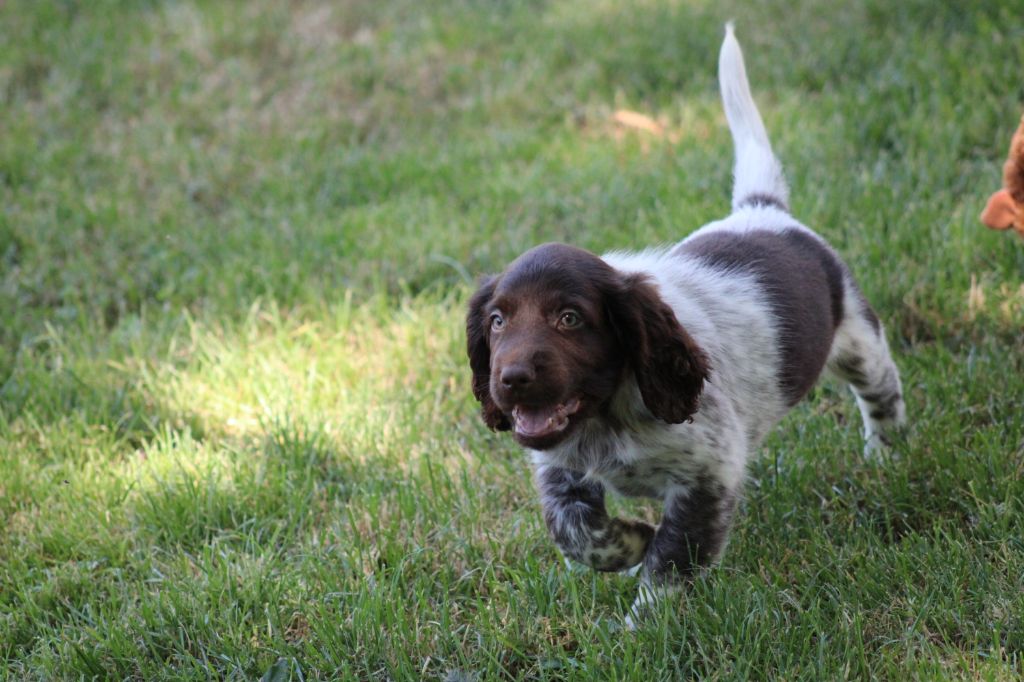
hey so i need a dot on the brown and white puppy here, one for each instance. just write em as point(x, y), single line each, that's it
point(658, 373)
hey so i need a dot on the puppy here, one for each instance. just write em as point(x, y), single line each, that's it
point(658, 373)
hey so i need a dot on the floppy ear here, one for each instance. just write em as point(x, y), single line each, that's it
point(1000, 211)
point(479, 351)
point(670, 367)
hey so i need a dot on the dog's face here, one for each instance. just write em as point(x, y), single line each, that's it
point(551, 338)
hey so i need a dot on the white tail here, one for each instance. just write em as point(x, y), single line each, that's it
point(757, 176)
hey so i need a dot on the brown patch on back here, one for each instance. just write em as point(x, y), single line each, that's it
point(803, 281)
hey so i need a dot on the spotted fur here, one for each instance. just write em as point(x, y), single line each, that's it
point(677, 364)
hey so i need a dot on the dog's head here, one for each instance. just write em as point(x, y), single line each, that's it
point(550, 339)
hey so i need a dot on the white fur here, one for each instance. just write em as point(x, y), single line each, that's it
point(729, 315)
point(757, 170)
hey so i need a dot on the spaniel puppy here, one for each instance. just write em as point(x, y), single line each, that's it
point(658, 373)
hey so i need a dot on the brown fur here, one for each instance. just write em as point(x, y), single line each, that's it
point(480, 357)
point(803, 282)
point(1005, 208)
point(1013, 170)
point(670, 368)
point(532, 361)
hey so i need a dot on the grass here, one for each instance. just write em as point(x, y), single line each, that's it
point(236, 239)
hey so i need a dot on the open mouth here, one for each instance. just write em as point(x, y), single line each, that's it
point(538, 422)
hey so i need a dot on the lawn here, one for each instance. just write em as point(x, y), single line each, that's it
point(236, 241)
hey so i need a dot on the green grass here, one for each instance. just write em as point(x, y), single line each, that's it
point(236, 239)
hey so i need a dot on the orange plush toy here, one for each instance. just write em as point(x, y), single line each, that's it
point(1005, 208)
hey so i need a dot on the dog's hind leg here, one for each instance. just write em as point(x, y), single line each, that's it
point(860, 356)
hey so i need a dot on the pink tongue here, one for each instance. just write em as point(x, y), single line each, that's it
point(533, 422)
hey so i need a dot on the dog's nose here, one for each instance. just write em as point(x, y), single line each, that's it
point(517, 376)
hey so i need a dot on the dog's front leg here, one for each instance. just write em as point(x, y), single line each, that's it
point(576, 517)
point(692, 534)
point(691, 537)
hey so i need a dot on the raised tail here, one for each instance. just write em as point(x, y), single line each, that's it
point(757, 177)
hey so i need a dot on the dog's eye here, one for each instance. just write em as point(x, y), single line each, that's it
point(497, 322)
point(570, 319)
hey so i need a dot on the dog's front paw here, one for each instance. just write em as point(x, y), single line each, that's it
point(884, 425)
point(883, 442)
point(646, 601)
point(876, 444)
